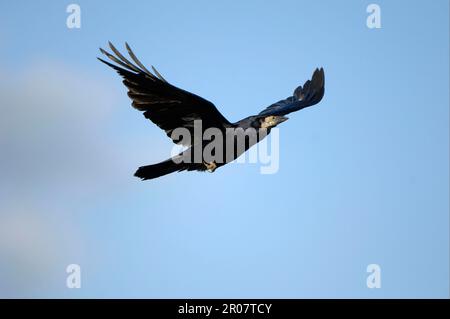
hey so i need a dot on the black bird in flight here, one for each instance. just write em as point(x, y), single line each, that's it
point(171, 108)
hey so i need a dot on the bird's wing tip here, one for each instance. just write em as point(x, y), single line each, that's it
point(319, 70)
point(319, 74)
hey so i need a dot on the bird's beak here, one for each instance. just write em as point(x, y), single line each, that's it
point(281, 119)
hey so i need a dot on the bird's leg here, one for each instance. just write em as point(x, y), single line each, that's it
point(211, 167)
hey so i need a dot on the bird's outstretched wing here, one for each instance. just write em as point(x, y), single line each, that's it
point(311, 93)
point(165, 105)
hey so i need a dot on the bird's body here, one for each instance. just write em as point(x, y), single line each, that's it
point(243, 135)
point(182, 114)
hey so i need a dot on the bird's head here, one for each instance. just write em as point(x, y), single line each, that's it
point(272, 121)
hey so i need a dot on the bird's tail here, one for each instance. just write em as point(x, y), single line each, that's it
point(160, 169)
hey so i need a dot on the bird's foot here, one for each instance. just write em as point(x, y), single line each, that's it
point(210, 167)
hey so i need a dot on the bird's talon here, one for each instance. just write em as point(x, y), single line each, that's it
point(210, 167)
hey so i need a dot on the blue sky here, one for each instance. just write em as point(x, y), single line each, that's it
point(364, 175)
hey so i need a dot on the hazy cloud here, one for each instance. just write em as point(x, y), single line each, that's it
point(55, 151)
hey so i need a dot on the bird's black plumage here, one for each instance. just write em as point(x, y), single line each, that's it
point(170, 108)
point(307, 95)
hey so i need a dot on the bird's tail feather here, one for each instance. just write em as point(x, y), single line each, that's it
point(160, 169)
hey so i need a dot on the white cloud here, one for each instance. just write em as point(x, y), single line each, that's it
point(53, 125)
point(55, 151)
